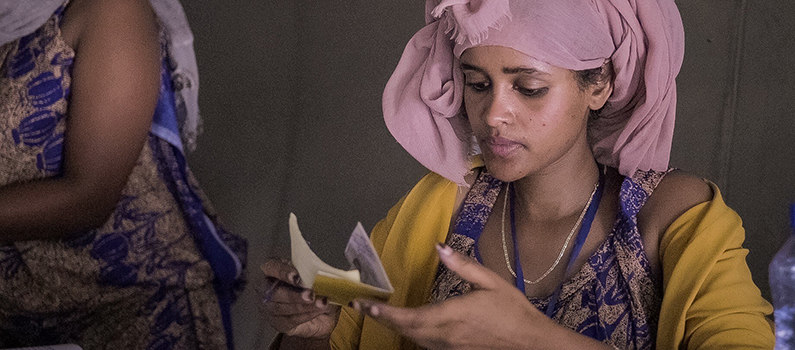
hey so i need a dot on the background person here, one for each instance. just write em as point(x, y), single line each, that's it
point(107, 241)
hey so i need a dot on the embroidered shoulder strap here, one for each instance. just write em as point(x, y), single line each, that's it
point(636, 190)
point(59, 12)
point(468, 226)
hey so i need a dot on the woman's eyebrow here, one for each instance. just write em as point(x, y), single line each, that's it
point(465, 66)
point(524, 70)
point(505, 70)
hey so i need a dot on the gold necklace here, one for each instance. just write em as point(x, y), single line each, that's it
point(562, 250)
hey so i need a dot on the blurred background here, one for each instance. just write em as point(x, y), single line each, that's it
point(291, 101)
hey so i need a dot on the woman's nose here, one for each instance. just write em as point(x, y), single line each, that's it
point(499, 110)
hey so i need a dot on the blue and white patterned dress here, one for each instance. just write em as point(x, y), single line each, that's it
point(613, 298)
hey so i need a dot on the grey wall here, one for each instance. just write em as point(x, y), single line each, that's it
point(736, 113)
point(291, 93)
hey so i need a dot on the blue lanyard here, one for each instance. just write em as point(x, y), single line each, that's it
point(590, 214)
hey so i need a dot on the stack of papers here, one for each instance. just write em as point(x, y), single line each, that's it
point(366, 278)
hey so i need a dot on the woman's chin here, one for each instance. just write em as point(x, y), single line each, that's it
point(506, 171)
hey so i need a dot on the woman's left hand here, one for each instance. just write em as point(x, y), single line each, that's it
point(494, 315)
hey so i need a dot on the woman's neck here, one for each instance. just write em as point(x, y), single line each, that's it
point(559, 191)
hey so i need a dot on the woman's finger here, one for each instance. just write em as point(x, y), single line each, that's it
point(318, 327)
point(282, 292)
point(287, 309)
point(270, 288)
point(466, 267)
point(281, 269)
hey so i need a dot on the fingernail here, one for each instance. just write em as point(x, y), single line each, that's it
point(356, 306)
point(444, 249)
point(322, 302)
point(293, 277)
point(374, 311)
point(308, 295)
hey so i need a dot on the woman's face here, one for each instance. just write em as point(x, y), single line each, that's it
point(526, 115)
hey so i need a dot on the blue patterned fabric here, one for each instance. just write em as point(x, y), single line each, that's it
point(613, 298)
point(161, 273)
point(227, 266)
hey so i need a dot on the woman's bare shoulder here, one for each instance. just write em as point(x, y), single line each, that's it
point(83, 16)
point(677, 192)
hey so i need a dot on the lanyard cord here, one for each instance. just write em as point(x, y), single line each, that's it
point(590, 215)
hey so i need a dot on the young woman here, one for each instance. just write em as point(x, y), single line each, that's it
point(105, 239)
point(547, 125)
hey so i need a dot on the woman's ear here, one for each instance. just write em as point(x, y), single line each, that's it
point(600, 92)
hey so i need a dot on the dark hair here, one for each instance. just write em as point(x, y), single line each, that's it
point(589, 77)
point(595, 76)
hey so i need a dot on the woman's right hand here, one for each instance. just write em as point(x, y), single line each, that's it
point(291, 309)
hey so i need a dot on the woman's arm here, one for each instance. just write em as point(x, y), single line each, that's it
point(709, 298)
point(115, 84)
point(677, 192)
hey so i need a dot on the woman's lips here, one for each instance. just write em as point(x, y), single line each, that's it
point(502, 147)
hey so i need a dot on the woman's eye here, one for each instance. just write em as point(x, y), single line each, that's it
point(478, 86)
point(531, 92)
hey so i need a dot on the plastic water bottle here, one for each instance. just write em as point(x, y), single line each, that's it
point(782, 285)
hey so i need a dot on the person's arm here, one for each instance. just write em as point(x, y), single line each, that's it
point(115, 83)
point(676, 193)
point(709, 298)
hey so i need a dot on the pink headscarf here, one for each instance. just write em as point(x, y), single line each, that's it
point(644, 39)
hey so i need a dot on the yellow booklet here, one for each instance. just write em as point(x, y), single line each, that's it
point(365, 279)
